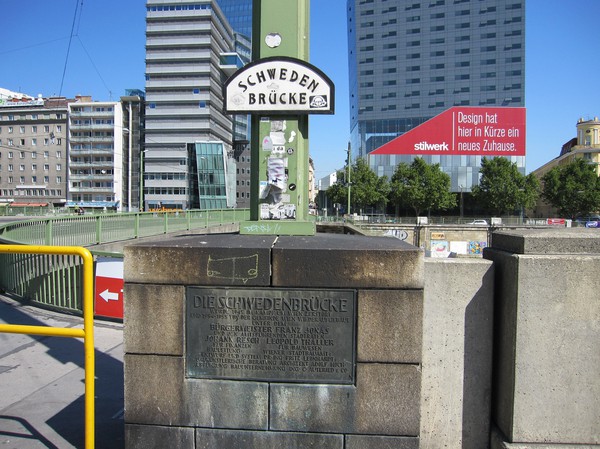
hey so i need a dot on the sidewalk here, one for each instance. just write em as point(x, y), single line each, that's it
point(42, 383)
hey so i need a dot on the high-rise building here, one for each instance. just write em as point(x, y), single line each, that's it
point(411, 60)
point(33, 150)
point(239, 15)
point(189, 49)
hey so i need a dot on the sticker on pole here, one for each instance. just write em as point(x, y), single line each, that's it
point(108, 298)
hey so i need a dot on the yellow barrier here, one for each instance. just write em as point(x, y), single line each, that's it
point(87, 333)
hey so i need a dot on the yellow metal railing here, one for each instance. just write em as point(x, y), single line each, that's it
point(87, 333)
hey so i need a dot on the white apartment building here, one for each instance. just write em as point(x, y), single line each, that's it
point(95, 154)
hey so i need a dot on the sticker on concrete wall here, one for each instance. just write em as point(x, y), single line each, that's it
point(292, 136)
point(440, 248)
point(476, 247)
point(459, 247)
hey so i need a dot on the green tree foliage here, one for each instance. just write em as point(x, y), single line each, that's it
point(422, 187)
point(366, 188)
point(502, 189)
point(574, 188)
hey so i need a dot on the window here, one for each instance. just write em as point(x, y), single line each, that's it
point(21, 129)
point(58, 167)
point(34, 129)
point(21, 154)
point(10, 129)
point(34, 142)
point(21, 167)
point(10, 154)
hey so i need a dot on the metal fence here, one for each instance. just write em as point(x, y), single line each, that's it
point(54, 280)
point(105, 228)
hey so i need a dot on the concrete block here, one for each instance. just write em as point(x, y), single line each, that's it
point(227, 404)
point(390, 326)
point(346, 261)
point(153, 319)
point(201, 260)
point(240, 439)
point(381, 442)
point(548, 241)
point(547, 360)
point(312, 408)
point(156, 437)
point(156, 392)
point(388, 399)
point(457, 353)
point(385, 400)
point(498, 441)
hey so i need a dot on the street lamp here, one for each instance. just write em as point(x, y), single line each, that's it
point(462, 204)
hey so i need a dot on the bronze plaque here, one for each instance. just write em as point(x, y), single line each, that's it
point(287, 335)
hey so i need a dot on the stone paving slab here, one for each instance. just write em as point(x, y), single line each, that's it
point(42, 383)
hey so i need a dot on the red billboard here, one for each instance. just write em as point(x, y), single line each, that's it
point(476, 131)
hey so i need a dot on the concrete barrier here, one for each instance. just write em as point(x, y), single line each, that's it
point(457, 354)
point(547, 334)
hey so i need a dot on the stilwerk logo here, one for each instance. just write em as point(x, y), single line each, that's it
point(426, 146)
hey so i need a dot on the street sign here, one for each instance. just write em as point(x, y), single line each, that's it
point(108, 297)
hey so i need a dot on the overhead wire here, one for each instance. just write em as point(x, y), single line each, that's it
point(68, 48)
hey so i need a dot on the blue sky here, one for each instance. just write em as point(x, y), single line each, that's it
point(106, 56)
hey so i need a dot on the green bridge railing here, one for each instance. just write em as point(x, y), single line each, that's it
point(54, 281)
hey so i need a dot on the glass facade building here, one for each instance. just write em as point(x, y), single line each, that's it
point(213, 176)
point(411, 60)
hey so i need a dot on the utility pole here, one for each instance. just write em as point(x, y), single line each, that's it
point(349, 161)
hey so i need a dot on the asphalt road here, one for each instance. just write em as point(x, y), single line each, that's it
point(42, 383)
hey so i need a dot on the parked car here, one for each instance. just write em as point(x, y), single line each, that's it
point(479, 222)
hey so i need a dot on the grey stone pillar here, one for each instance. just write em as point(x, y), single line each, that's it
point(547, 335)
point(378, 408)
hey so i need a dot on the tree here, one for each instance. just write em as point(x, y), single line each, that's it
point(574, 188)
point(503, 189)
point(366, 188)
point(421, 187)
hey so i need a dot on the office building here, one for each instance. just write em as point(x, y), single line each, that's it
point(96, 157)
point(190, 52)
point(33, 150)
point(412, 60)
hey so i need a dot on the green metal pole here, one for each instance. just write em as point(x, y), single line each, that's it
point(280, 29)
